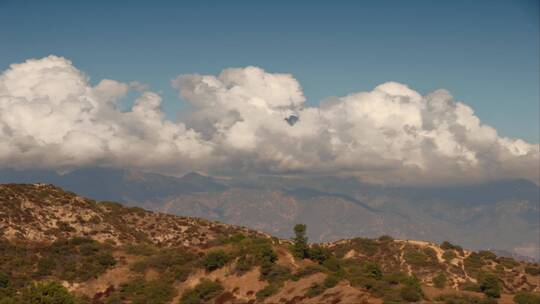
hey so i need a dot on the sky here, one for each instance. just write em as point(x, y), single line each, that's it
point(486, 53)
point(387, 91)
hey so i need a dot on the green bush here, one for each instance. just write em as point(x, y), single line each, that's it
point(464, 299)
point(527, 298)
point(509, 263)
point(269, 290)
point(449, 246)
point(332, 264)
point(372, 270)
point(331, 280)
point(77, 259)
point(365, 246)
point(306, 271)
point(65, 227)
point(215, 260)
point(203, 292)
point(412, 290)
point(314, 290)
point(440, 280)
point(532, 270)
point(489, 285)
point(394, 278)
point(253, 252)
point(47, 293)
point(265, 253)
point(410, 294)
point(473, 263)
point(487, 255)
point(418, 257)
point(386, 239)
point(141, 249)
point(449, 255)
point(4, 280)
point(470, 286)
point(275, 273)
point(165, 261)
point(140, 291)
point(244, 264)
point(319, 254)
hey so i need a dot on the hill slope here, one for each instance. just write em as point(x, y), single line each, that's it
point(103, 252)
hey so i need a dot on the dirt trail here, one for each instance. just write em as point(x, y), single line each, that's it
point(402, 259)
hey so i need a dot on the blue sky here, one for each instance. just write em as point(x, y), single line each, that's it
point(485, 53)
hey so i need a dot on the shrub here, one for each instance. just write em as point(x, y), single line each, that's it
point(366, 246)
point(449, 246)
point(165, 260)
point(394, 278)
point(141, 249)
point(47, 293)
point(106, 260)
point(371, 270)
point(76, 259)
point(332, 264)
point(489, 285)
point(65, 227)
point(314, 290)
point(464, 299)
point(488, 255)
point(179, 272)
point(411, 291)
point(4, 280)
point(440, 280)
point(142, 292)
point(532, 270)
point(331, 280)
point(449, 255)
point(275, 273)
point(319, 254)
point(252, 252)
point(526, 298)
point(418, 257)
point(265, 253)
point(386, 238)
point(473, 263)
point(244, 264)
point(508, 262)
point(203, 292)
point(470, 286)
point(215, 260)
point(306, 271)
point(268, 290)
point(410, 294)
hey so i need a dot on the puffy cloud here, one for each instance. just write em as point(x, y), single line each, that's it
point(391, 134)
point(50, 116)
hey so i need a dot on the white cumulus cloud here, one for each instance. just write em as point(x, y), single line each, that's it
point(51, 117)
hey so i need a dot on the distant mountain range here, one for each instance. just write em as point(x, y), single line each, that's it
point(501, 215)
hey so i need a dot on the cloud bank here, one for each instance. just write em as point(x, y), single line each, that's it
point(52, 117)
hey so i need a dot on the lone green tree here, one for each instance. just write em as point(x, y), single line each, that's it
point(300, 247)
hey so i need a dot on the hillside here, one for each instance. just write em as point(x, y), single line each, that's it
point(103, 252)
